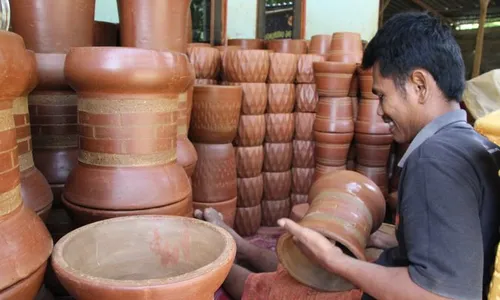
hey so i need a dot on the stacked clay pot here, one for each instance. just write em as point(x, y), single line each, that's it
point(278, 146)
point(345, 207)
point(214, 122)
point(206, 62)
point(287, 46)
point(320, 44)
point(249, 69)
point(345, 47)
point(26, 244)
point(127, 123)
point(247, 44)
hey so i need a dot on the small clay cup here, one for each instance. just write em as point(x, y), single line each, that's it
point(303, 154)
point(251, 131)
point(334, 115)
point(333, 79)
point(322, 170)
point(287, 46)
point(305, 72)
point(277, 185)
point(247, 220)
point(277, 157)
point(282, 68)
point(206, 61)
point(226, 208)
point(280, 98)
point(302, 179)
point(304, 123)
point(279, 128)
point(254, 100)
point(246, 65)
point(250, 191)
point(306, 97)
point(320, 44)
point(249, 161)
point(105, 34)
point(366, 83)
point(247, 44)
point(274, 210)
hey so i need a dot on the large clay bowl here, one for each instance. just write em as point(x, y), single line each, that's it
point(302, 179)
point(206, 61)
point(226, 208)
point(333, 79)
point(334, 115)
point(305, 72)
point(144, 257)
point(282, 67)
point(215, 114)
point(320, 44)
point(254, 100)
point(247, 44)
point(277, 185)
point(277, 157)
point(274, 210)
point(306, 97)
point(246, 65)
point(366, 83)
point(287, 46)
point(304, 123)
point(247, 220)
point(280, 98)
point(322, 170)
point(105, 34)
point(27, 288)
point(251, 131)
point(279, 128)
point(249, 161)
point(250, 191)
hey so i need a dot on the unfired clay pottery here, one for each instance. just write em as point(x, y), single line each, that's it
point(154, 24)
point(247, 44)
point(303, 154)
point(322, 170)
point(226, 208)
point(281, 98)
point(320, 44)
point(366, 83)
point(282, 67)
point(305, 72)
point(247, 220)
point(304, 123)
point(215, 114)
point(249, 161)
point(141, 257)
point(368, 121)
point(246, 65)
point(287, 46)
point(53, 26)
point(277, 185)
point(333, 79)
point(334, 115)
point(306, 97)
point(206, 61)
point(277, 157)
point(274, 210)
point(302, 179)
point(254, 100)
point(279, 128)
point(251, 130)
point(250, 191)
point(105, 34)
point(299, 211)
point(298, 199)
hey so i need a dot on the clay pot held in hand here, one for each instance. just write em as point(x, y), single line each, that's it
point(247, 220)
point(334, 115)
point(366, 83)
point(254, 100)
point(281, 98)
point(279, 128)
point(249, 161)
point(304, 123)
point(282, 67)
point(333, 79)
point(277, 157)
point(303, 154)
point(251, 131)
point(206, 61)
point(320, 44)
point(305, 72)
point(105, 34)
point(322, 170)
point(250, 191)
point(277, 185)
point(150, 256)
point(287, 46)
point(226, 208)
point(306, 97)
point(247, 44)
point(377, 175)
point(299, 211)
point(246, 65)
point(274, 210)
point(215, 114)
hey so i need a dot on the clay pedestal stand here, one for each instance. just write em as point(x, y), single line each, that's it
point(127, 127)
point(206, 62)
point(26, 244)
point(214, 122)
point(249, 69)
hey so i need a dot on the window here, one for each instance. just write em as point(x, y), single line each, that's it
point(280, 19)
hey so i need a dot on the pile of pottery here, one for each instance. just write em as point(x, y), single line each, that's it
point(247, 44)
point(206, 61)
point(214, 122)
point(320, 44)
point(292, 46)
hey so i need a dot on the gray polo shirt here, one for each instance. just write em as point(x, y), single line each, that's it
point(449, 205)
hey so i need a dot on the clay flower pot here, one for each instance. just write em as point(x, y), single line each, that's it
point(42, 32)
point(246, 65)
point(214, 178)
point(274, 210)
point(302, 179)
point(299, 211)
point(277, 157)
point(303, 154)
point(251, 131)
point(333, 79)
point(305, 72)
point(346, 41)
point(307, 97)
point(249, 161)
point(377, 175)
point(277, 185)
point(125, 138)
point(281, 98)
point(250, 191)
point(322, 170)
point(354, 87)
point(282, 67)
point(331, 149)
point(296, 199)
point(153, 256)
point(254, 97)
point(247, 220)
point(247, 44)
point(373, 150)
point(320, 44)
point(155, 24)
point(334, 115)
point(215, 114)
point(304, 123)
point(287, 46)
point(105, 34)
point(368, 120)
point(366, 83)
point(279, 128)
point(199, 81)
point(226, 208)
point(206, 61)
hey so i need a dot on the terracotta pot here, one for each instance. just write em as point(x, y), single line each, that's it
point(304, 123)
point(247, 44)
point(105, 34)
point(373, 150)
point(226, 208)
point(277, 157)
point(320, 44)
point(305, 72)
point(298, 199)
point(27, 288)
point(205, 82)
point(43, 33)
point(368, 120)
point(331, 154)
point(282, 67)
point(322, 170)
point(246, 65)
point(279, 128)
point(351, 165)
point(302, 179)
point(344, 57)
point(215, 114)
point(250, 191)
point(155, 24)
point(113, 148)
point(303, 154)
point(377, 175)
point(191, 45)
point(189, 27)
point(277, 185)
point(347, 42)
point(249, 161)
point(366, 83)
point(206, 61)
point(247, 220)
point(251, 131)
point(307, 97)
point(354, 86)
point(222, 51)
point(334, 115)
point(153, 256)
point(333, 79)
point(281, 98)
point(274, 210)
point(287, 46)
point(254, 100)
point(355, 108)
point(299, 211)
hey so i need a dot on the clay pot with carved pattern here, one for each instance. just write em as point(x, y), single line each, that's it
point(305, 72)
point(304, 123)
point(251, 131)
point(333, 79)
point(247, 44)
point(206, 61)
point(277, 185)
point(127, 128)
point(303, 154)
point(277, 157)
point(246, 65)
point(247, 220)
point(249, 161)
point(273, 210)
point(306, 97)
point(282, 67)
point(302, 179)
point(287, 46)
point(298, 199)
point(279, 128)
point(250, 191)
point(254, 100)
point(320, 44)
point(105, 34)
point(334, 115)
point(280, 98)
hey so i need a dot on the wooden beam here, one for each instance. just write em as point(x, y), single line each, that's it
point(478, 53)
point(432, 10)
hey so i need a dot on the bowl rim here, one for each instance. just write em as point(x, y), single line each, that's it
point(58, 261)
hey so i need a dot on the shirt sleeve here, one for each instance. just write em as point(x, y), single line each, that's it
point(442, 229)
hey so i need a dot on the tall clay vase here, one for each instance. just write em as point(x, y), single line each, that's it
point(25, 243)
point(127, 130)
point(35, 190)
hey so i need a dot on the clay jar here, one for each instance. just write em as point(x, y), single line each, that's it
point(377, 175)
point(249, 161)
point(281, 98)
point(277, 185)
point(152, 256)
point(279, 128)
point(277, 157)
point(43, 33)
point(302, 179)
point(334, 115)
point(247, 220)
point(287, 46)
point(305, 73)
point(282, 67)
point(274, 210)
point(105, 34)
point(206, 61)
point(306, 97)
point(320, 44)
point(251, 131)
point(333, 79)
point(373, 149)
point(303, 154)
point(345, 47)
point(127, 128)
point(215, 114)
point(246, 65)
point(368, 120)
point(321, 170)
point(250, 191)
point(332, 148)
point(366, 83)
point(154, 24)
point(247, 44)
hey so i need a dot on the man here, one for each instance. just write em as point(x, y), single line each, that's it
point(448, 193)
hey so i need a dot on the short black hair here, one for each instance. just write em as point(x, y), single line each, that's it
point(418, 40)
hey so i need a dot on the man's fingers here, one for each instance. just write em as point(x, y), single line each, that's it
point(294, 229)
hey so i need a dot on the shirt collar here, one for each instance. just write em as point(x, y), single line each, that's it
point(431, 128)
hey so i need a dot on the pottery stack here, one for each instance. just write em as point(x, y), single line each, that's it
point(247, 44)
point(320, 44)
point(214, 122)
point(287, 46)
point(249, 69)
point(206, 61)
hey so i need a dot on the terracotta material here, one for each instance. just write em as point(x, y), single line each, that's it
point(279, 128)
point(287, 46)
point(190, 45)
point(247, 44)
point(274, 210)
point(298, 198)
point(27, 288)
point(302, 179)
point(226, 208)
point(42, 32)
point(280, 98)
point(246, 65)
point(250, 191)
point(189, 27)
point(351, 165)
point(349, 43)
point(249, 161)
point(355, 108)
point(215, 114)
point(333, 79)
point(277, 185)
point(254, 100)
point(155, 24)
point(277, 157)
point(206, 61)
point(148, 256)
point(299, 211)
point(332, 148)
point(320, 44)
point(377, 175)
point(127, 139)
point(251, 130)
point(303, 154)
point(354, 86)
point(366, 83)
point(322, 170)
point(334, 115)
point(205, 82)
point(368, 120)
point(247, 220)
point(105, 34)
point(307, 97)
point(373, 150)
point(305, 72)
point(304, 123)
point(282, 67)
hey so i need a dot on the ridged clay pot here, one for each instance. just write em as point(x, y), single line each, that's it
point(251, 131)
point(331, 149)
point(282, 68)
point(279, 128)
point(215, 114)
point(287, 46)
point(254, 100)
point(368, 121)
point(277, 185)
point(303, 154)
point(105, 34)
point(322, 170)
point(247, 220)
point(153, 256)
point(320, 44)
point(277, 157)
point(298, 199)
point(304, 123)
point(249, 161)
point(280, 98)
point(366, 83)
point(302, 179)
point(250, 191)
point(346, 41)
point(334, 115)
point(377, 175)
point(306, 97)
point(226, 208)
point(355, 108)
point(206, 61)
point(373, 150)
point(305, 72)
point(246, 65)
point(247, 44)
point(333, 79)
point(274, 210)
